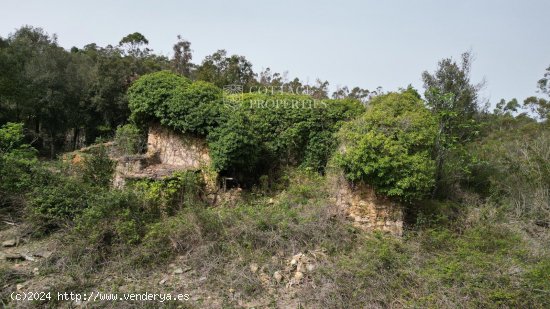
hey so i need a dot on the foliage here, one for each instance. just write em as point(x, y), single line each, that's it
point(263, 132)
point(454, 101)
point(174, 101)
point(171, 193)
point(98, 168)
point(58, 203)
point(129, 140)
point(115, 217)
point(513, 166)
point(195, 109)
point(390, 146)
point(17, 161)
point(54, 91)
point(148, 96)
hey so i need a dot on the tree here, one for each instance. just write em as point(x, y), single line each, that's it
point(223, 70)
point(181, 63)
point(389, 147)
point(454, 101)
point(544, 82)
point(507, 108)
point(539, 106)
point(355, 93)
point(132, 44)
point(462, 104)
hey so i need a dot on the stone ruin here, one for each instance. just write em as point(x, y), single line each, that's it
point(168, 151)
point(367, 210)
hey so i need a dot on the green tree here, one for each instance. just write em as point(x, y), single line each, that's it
point(221, 70)
point(539, 106)
point(455, 103)
point(133, 43)
point(181, 62)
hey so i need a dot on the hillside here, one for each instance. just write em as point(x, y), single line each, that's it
point(128, 175)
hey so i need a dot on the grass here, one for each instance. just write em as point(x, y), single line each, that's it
point(458, 256)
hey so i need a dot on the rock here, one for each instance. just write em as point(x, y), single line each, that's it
point(298, 276)
point(36, 271)
point(14, 257)
point(43, 254)
point(253, 268)
point(278, 276)
point(271, 201)
point(21, 286)
point(178, 271)
point(163, 281)
point(9, 243)
point(310, 267)
point(202, 279)
point(293, 262)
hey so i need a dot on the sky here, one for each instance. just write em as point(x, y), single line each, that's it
point(354, 43)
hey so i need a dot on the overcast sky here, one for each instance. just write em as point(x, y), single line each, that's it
point(355, 43)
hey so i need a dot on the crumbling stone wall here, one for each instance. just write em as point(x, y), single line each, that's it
point(167, 152)
point(174, 149)
point(367, 210)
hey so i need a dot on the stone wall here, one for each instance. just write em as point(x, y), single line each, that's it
point(170, 148)
point(367, 210)
point(167, 152)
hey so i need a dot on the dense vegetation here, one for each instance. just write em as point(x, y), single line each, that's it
point(475, 182)
point(390, 146)
point(249, 135)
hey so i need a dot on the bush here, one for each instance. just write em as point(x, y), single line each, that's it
point(195, 109)
point(175, 102)
point(115, 217)
point(263, 132)
point(171, 193)
point(390, 147)
point(512, 167)
point(98, 168)
point(17, 162)
point(58, 203)
point(148, 96)
point(129, 140)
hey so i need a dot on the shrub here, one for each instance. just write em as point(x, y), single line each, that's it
point(171, 193)
point(263, 132)
point(129, 140)
point(390, 147)
point(148, 96)
point(195, 109)
point(17, 161)
point(174, 101)
point(58, 203)
point(513, 169)
point(98, 168)
point(115, 217)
